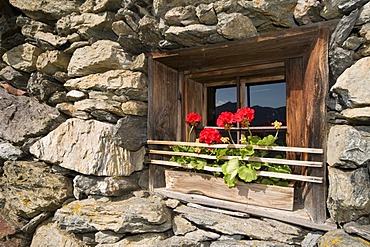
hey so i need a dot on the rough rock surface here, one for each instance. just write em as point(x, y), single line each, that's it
point(14, 77)
point(133, 215)
point(348, 146)
point(22, 117)
point(87, 147)
point(360, 230)
point(42, 86)
point(235, 26)
point(51, 233)
point(101, 56)
point(350, 85)
point(105, 186)
point(357, 115)
point(130, 132)
point(139, 240)
point(253, 228)
point(121, 82)
point(349, 194)
point(22, 57)
point(32, 188)
point(9, 151)
point(341, 239)
point(308, 11)
point(47, 9)
point(51, 62)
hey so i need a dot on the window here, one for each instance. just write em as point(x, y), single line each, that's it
point(199, 79)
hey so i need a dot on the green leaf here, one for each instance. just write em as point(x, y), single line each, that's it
point(220, 152)
point(230, 181)
point(253, 139)
point(231, 167)
point(247, 151)
point(267, 141)
point(255, 165)
point(247, 174)
point(266, 181)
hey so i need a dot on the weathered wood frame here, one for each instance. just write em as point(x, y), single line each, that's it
point(178, 85)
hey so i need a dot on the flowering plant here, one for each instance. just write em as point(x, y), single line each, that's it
point(234, 169)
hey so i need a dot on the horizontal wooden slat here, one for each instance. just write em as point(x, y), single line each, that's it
point(271, 148)
point(298, 217)
point(253, 159)
point(260, 173)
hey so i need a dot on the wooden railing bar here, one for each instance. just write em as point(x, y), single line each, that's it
point(311, 179)
point(271, 148)
point(254, 159)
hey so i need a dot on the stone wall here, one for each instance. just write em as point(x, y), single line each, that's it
point(73, 77)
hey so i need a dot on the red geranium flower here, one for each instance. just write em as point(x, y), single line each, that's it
point(225, 120)
point(244, 116)
point(209, 136)
point(193, 119)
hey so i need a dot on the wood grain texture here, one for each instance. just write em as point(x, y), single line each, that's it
point(249, 193)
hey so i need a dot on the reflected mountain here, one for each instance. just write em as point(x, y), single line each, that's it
point(263, 116)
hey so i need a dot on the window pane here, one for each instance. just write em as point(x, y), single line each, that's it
point(269, 103)
point(225, 100)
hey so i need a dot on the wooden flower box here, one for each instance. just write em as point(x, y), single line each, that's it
point(200, 183)
point(249, 193)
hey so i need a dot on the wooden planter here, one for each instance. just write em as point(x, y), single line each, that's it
point(249, 193)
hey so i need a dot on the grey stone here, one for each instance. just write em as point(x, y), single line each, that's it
point(148, 32)
point(133, 215)
point(104, 186)
point(360, 230)
point(144, 179)
point(132, 43)
point(172, 203)
point(331, 10)
point(101, 56)
point(181, 16)
point(90, 105)
point(97, 6)
point(339, 60)
point(353, 43)
point(235, 26)
point(32, 188)
point(42, 86)
point(311, 239)
point(246, 243)
point(191, 35)
point(341, 239)
point(6, 227)
point(261, 11)
point(73, 47)
point(105, 116)
point(57, 97)
point(357, 115)
point(30, 26)
point(46, 9)
point(87, 147)
point(130, 17)
point(107, 237)
point(22, 117)
point(350, 85)
point(349, 194)
point(130, 132)
point(75, 95)
point(343, 29)
point(9, 151)
point(51, 62)
point(160, 7)
point(107, 95)
point(253, 228)
point(134, 107)
point(16, 78)
point(31, 226)
point(140, 64)
point(51, 39)
point(121, 82)
point(138, 240)
point(50, 233)
point(87, 25)
point(122, 28)
point(365, 31)
point(308, 11)
point(177, 241)
point(348, 146)
point(206, 14)
point(351, 5)
point(22, 57)
point(200, 235)
point(70, 110)
point(182, 226)
point(364, 14)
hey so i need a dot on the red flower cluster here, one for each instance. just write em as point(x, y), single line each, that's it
point(225, 120)
point(193, 119)
point(210, 136)
point(244, 116)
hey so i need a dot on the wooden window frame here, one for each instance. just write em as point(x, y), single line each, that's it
point(299, 56)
